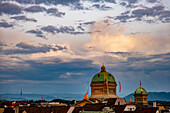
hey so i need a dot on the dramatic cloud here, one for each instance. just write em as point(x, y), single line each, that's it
point(101, 7)
point(158, 13)
point(62, 29)
point(37, 32)
point(10, 8)
point(66, 2)
point(5, 25)
point(2, 44)
point(151, 1)
point(116, 41)
point(55, 12)
point(35, 9)
point(23, 18)
point(24, 48)
point(130, 36)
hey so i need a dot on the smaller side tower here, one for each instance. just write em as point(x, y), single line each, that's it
point(141, 96)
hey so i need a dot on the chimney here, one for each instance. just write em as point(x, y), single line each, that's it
point(154, 104)
point(16, 109)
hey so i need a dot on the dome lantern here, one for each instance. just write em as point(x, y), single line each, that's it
point(103, 68)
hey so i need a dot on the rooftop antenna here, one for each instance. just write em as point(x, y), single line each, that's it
point(21, 94)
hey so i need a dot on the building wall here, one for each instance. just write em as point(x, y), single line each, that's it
point(130, 108)
point(141, 98)
point(120, 101)
point(100, 88)
point(1, 110)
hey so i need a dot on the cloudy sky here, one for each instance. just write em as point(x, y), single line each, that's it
point(56, 46)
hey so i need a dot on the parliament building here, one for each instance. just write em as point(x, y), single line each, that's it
point(103, 87)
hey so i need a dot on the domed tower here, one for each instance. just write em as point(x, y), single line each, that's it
point(103, 85)
point(141, 96)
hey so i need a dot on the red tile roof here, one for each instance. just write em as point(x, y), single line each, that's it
point(119, 108)
point(146, 110)
point(77, 109)
point(9, 110)
point(94, 107)
point(54, 109)
point(111, 102)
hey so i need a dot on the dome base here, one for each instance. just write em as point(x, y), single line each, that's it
point(103, 97)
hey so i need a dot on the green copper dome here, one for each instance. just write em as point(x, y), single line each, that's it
point(103, 76)
point(140, 90)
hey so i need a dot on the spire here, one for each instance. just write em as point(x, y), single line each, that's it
point(103, 68)
point(86, 96)
point(140, 83)
point(87, 87)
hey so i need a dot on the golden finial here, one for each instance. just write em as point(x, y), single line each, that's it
point(102, 64)
point(130, 100)
point(86, 96)
point(103, 69)
point(75, 102)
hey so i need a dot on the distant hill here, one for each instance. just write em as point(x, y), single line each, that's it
point(48, 97)
point(153, 96)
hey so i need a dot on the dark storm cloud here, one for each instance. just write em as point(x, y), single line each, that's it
point(35, 32)
point(138, 14)
point(163, 15)
point(79, 33)
point(50, 11)
point(2, 44)
point(123, 4)
point(35, 9)
point(131, 6)
point(78, 6)
point(38, 33)
point(131, 1)
point(51, 72)
point(123, 18)
point(158, 7)
point(5, 25)
point(23, 18)
point(111, 1)
point(64, 29)
point(48, 2)
point(101, 7)
point(88, 23)
point(151, 1)
point(80, 28)
point(55, 12)
point(10, 8)
point(143, 12)
point(140, 62)
point(50, 29)
point(24, 48)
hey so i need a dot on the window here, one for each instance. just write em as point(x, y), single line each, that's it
point(144, 99)
point(98, 90)
point(138, 99)
point(111, 90)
